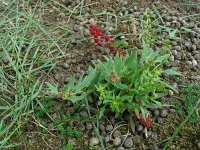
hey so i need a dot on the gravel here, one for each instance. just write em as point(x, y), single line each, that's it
point(128, 143)
point(94, 141)
point(117, 141)
point(109, 128)
point(163, 113)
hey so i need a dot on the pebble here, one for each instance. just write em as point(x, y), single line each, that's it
point(84, 114)
point(194, 62)
point(171, 58)
point(117, 141)
point(66, 65)
point(71, 110)
point(117, 133)
point(120, 148)
point(153, 147)
point(198, 145)
point(102, 128)
point(88, 126)
point(163, 113)
point(160, 120)
point(156, 113)
point(178, 48)
point(81, 127)
point(172, 110)
point(128, 143)
point(62, 15)
point(109, 128)
point(94, 141)
point(139, 128)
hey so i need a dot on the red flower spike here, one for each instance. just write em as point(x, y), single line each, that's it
point(148, 122)
point(142, 121)
point(135, 117)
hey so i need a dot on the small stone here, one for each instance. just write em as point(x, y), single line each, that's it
point(163, 113)
point(153, 147)
point(198, 145)
point(5, 60)
point(171, 58)
point(90, 99)
point(189, 63)
point(178, 48)
point(154, 136)
point(156, 113)
point(171, 93)
point(120, 148)
point(128, 143)
point(81, 127)
point(66, 65)
point(117, 133)
point(160, 120)
point(88, 126)
point(139, 128)
point(94, 141)
point(71, 110)
point(62, 15)
point(107, 138)
point(117, 141)
point(172, 110)
point(174, 52)
point(102, 128)
point(84, 114)
point(194, 62)
point(109, 128)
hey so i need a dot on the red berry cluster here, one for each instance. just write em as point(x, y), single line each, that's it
point(146, 123)
point(104, 40)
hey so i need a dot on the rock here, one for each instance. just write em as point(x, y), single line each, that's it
point(81, 127)
point(62, 15)
point(109, 128)
point(117, 133)
point(198, 145)
point(117, 141)
point(102, 128)
point(194, 62)
point(120, 148)
point(66, 65)
point(107, 138)
point(153, 147)
point(90, 99)
point(174, 52)
point(154, 136)
point(84, 114)
point(160, 120)
point(171, 93)
point(71, 110)
point(178, 48)
point(128, 143)
point(171, 58)
point(88, 126)
point(163, 113)
point(156, 113)
point(94, 141)
point(139, 128)
point(172, 110)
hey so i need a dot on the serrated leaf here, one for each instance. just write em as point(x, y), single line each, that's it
point(172, 72)
point(54, 90)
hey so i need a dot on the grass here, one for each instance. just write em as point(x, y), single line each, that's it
point(26, 57)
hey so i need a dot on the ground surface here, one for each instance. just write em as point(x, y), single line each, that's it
point(72, 127)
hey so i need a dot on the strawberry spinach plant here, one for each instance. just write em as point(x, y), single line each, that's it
point(126, 82)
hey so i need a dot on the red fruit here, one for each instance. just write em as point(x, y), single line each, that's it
point(142, 121)
point(135, 117)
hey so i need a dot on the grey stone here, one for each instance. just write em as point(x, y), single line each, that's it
point(156, 113)
point(84, 114)
point(102, 128)
point(117, 141)
point(120, 148)
point(81, 127)
point(128, 143)
point(198, 145)
point(194, 62)
point(178, 48)
point(94, 141)
point(109, 128)
point(163, 113)
point(117, 133)
point(139, 128)
point(88, 126)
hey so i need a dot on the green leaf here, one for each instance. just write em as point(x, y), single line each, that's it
point(169, 86)
point(162, 58)
point(54, 90)
point(132, 62)
point(171, 72)
point(118, 43)
point(102, 110)
point(120, 86)
point(77, 98)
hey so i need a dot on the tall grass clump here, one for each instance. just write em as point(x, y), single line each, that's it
point(25, 62)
